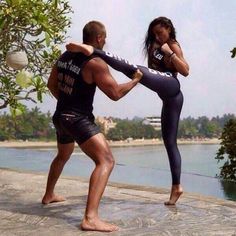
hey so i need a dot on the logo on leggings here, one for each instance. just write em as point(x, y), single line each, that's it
point(167, 74)
point(120, 59)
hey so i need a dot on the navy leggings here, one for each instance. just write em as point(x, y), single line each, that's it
point(168, 89)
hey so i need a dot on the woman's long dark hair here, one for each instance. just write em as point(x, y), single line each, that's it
point(150, 37)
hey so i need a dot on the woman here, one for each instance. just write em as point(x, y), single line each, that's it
point(164, 54)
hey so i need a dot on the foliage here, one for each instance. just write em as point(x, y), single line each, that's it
point(203, 127)
point(131, 128)
point(36, 27)
point(34, 124)
point(30, 125)
point(227, 151)
point(233, 51)
point(189, 128)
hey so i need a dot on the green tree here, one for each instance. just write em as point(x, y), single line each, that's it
point(7, 130)
point(132, 129)
point(36, 27)
point(188, 128)
point(31, 125)
point(227, 151)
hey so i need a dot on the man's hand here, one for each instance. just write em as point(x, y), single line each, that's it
point(137, 75)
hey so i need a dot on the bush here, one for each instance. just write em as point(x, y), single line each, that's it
point(227, 151)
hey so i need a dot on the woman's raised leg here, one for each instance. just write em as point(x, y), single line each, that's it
point(162, 83)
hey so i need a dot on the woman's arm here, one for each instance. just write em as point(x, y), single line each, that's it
point(176, 58)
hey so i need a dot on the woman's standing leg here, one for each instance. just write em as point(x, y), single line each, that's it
point(170, 119)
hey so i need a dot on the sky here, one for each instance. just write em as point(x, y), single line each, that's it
point(206, 31)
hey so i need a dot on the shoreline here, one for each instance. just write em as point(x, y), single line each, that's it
point(122, 143)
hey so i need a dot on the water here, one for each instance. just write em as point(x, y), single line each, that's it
point(136, 165)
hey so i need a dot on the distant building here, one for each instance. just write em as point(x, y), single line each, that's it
point(154, 121)
point(106, 123)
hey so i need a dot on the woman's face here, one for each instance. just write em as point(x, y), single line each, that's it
point(161, 34)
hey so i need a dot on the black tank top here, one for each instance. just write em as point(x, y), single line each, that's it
point(74, 93)
point(157, 62)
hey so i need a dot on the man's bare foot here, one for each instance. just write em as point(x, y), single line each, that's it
point(176, 192)
point(53, 198)
point(97, 225)
point(84, 48)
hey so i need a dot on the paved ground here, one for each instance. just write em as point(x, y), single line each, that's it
point(137, 210)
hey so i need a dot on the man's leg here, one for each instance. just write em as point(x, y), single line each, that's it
point(64, 153)
point(98, 150)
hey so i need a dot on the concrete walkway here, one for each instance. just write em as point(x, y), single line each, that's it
point(137, 210)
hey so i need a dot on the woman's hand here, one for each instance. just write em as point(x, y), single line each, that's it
point(73, 47)
point(166, 49)
point(80, 47)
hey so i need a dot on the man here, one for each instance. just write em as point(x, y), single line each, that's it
point(73, 82)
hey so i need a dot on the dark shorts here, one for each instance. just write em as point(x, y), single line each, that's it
point(72, 126)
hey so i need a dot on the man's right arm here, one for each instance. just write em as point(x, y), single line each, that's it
point(53, 82)
point(104, 80)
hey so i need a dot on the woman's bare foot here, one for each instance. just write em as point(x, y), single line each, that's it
point(176, 192)
point(84, 48)
point(96, 224)
point(52, 198)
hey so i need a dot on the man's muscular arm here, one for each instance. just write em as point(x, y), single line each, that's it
point(101, 76)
